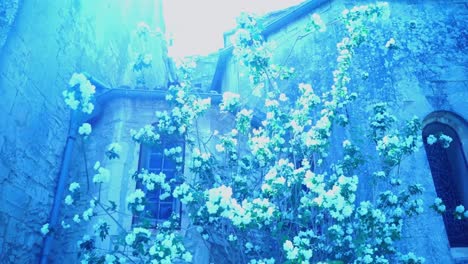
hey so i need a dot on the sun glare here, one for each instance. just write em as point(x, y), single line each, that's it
point(197, 27)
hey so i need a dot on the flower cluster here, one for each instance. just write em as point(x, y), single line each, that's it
point(300, 249)
point(315, 24)
point(243, 119)
point(175, 154)
point(74, 194)
point(442, 138)
point(183, 193)
point(279, 177)
point(253, 52)
point(168, 247)
point(80, 94)
point(102, 175)
point(381, 120)
point(439, 206)
point(391, 44)
point(85, 129)
point(411, 258)
point(136, 201)
point(395, 144)
point(460, 212)
point(262, 261)
point(45, 229)
point(147, 135)
point(201, 161)
point(154, 181)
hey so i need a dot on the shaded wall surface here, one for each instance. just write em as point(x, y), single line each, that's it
point(42, 44)
point(425, 73)
point(119, 116)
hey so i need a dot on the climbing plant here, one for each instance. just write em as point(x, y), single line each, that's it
point(265, 190)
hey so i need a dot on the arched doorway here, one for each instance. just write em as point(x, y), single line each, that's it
point(449, 169)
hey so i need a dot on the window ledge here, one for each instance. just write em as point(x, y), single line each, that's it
point(460, 255)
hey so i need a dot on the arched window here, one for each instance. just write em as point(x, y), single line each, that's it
point(449, 168)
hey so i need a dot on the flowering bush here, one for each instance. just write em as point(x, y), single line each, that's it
point(269, 193)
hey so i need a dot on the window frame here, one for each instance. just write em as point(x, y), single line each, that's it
point(144, 159)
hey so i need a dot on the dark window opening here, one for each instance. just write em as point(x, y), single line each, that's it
point(153, 159)
point(449, 171)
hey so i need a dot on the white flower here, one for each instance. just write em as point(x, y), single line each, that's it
point(288, 245)
point(70, 100)
point(130, 238)
point(460, 209)
point(431, 139)
point(110, 259)
point(69, 200)
point(393, 199)
point(220, 148)
point(135, 200)
point(73, 186)
point(390, 43)
point(77, 78)
point(446, 140)
point(367, 259)
point(318, 22)
point(187, 257)
point(85, 129)
point(442, 208)
point(87, 214)
point(45, 229)
point(65, 225)
point(283, 97)
point(379, 174)
point(76, 218)
point(347, 210)
point(103, 175)
point(346, 143)
point(248, 246)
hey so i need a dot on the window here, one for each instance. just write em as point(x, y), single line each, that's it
point(153, 159)
point(449, 170)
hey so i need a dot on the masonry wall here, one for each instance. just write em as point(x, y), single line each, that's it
point(426, 73)
point(118, 117)
point(41, 44)
point(116, 120)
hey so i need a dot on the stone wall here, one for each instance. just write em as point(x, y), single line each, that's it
point(42, 47)
point(204, 71)
point(8, 10)
point(113, 125)
point(427, 72)
point(117, 118)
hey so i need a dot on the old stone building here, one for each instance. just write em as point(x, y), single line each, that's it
point(42, 45)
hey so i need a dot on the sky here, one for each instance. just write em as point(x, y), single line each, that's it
point(197, 26)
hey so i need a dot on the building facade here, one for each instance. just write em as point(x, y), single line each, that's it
point(425, 75)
